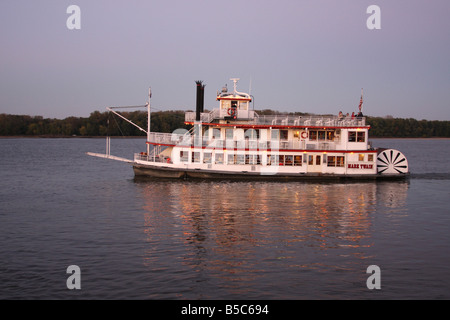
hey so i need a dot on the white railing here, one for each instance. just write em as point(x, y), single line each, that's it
point(306, 121)
point(189, 139)
point(205, 117)
point(283, 120)
point(170, 138)
point(152, 158)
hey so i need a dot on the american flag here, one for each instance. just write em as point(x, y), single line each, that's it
point(361, 101)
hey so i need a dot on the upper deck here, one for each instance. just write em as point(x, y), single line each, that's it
point(251, 118)
point(234, 110)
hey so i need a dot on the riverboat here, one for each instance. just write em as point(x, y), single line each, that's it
point(233, 141)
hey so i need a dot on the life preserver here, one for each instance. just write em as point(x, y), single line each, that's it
point(304, 134)
point(231, 111)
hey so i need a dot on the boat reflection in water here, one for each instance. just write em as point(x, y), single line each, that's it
point(262, 234)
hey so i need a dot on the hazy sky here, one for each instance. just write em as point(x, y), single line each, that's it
point(296, 55)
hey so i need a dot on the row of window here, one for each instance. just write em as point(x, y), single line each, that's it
point(356, 136)
point(321, 135)
point(353, 136)
point(335, 161)
point(313, 135)
point(282, 160)
point(331, 161)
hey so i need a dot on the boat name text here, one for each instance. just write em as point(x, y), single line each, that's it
point(360, 166)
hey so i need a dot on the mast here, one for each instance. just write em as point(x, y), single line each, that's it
point(148, 119)
point(361, 102)
point(235, 80)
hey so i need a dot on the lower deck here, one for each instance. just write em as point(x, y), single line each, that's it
point(165, 171)
point(262, 162)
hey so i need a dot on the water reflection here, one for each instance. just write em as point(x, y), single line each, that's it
point(238, 231)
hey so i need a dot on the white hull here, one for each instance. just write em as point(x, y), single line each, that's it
point(172, 172)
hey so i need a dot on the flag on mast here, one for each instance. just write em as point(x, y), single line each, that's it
point(361, 101)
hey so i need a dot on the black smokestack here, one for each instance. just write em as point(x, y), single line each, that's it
point(200, 99)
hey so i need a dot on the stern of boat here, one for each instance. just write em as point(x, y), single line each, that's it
point(392, 162)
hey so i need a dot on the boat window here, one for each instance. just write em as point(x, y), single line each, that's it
point(310, 160)
point(229, 134)
point(219, 158)
point(275, 134)
point(361, 157)
point(331, 161)
point(361, 137)
point(195, 157)
point(288, 160)
point(321, 135)
point(243, 105)
point(352, 136)
point(297, 160)
point(272, 160)
point(252, 159)
point(313, 135)
point(284, 134)
point(318, 160)
point(230, 159)
point(339, 161)
point(330, 135)
point(370, 157)
point(296, 134)
point(207, 157)
point(240, 159)
point(184, 156)
point(225, 104)
point(252, 134)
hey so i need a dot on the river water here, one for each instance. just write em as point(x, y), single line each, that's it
point(160, 239)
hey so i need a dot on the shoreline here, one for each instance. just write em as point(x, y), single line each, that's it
point(418, 138)
point(71, 137)
point(143, 137)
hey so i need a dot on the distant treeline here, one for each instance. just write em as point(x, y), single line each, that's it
point(106, 123)
point(97, 124)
